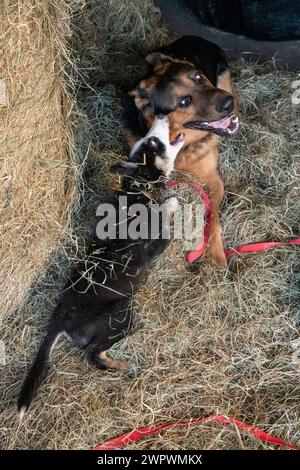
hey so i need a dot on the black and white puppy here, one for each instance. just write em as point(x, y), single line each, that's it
point(94, 309)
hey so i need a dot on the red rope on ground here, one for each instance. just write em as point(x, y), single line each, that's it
point(146, 431)
point(192, 256)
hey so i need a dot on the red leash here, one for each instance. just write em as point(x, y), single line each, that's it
point(192, 256)
point(146, 431)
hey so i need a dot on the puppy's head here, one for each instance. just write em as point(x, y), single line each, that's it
point(154, 155)
point(176, 88)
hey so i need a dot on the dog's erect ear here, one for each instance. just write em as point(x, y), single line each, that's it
point(157, 60)
point(124, 168)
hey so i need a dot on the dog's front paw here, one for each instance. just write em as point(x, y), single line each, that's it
point(218, 256)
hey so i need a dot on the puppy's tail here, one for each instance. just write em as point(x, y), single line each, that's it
point(37, 372)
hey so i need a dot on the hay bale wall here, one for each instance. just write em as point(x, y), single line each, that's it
point(210, 342)
point(37, 186)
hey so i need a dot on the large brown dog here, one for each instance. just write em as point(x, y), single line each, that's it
point(189, 80)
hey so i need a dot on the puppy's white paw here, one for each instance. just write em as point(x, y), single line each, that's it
point(172, 204)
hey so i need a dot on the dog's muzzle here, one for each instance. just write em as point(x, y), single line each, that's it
point(228, 125)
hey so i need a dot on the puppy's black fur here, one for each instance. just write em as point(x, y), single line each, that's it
point(94, 309)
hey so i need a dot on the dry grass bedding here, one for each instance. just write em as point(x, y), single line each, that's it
point(208, 341)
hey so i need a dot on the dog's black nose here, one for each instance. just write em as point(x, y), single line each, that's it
point(226, 105)
point(160, 116)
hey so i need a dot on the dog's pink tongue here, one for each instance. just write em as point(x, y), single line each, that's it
point(221, 124)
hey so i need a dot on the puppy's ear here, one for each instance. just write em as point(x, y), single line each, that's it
point(124, 168)
point(158, 61)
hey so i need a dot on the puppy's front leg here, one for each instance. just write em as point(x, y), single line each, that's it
point(171, 204)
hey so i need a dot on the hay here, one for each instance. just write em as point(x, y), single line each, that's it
point(209, 341)
point(37, 184)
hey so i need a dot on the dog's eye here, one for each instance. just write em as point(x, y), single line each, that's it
point(184, 101)
point(197, 78)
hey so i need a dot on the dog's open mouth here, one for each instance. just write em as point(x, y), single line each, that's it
point(225, 126)
point(178, 138)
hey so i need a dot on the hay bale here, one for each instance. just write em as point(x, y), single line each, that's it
point(210, 342)
point(37, 184)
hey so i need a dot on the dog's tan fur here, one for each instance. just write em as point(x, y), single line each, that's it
point(200, 155)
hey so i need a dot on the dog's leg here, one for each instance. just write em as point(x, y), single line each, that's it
point(215, 187)
point(206, 170)
point(113, 363)
point(98, 358)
